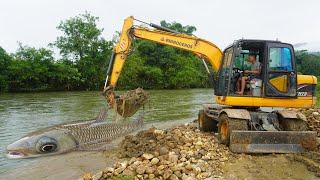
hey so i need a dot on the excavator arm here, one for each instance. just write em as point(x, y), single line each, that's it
point(202, 48)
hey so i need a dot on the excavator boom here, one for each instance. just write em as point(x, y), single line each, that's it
point(200, 47)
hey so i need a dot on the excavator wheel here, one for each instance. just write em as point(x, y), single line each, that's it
point(226, 125)
point(205, 123)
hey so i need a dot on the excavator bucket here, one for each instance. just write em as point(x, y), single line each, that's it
point(272, 141)
point(130, 102)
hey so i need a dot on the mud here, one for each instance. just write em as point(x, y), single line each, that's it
point(266, 167)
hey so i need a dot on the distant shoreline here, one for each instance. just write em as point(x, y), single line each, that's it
point(44, 91)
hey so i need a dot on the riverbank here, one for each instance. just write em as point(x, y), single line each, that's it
point(183, 152)
point(74, 164)
point(186, 153)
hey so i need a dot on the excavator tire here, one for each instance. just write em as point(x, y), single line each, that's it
point(206, 124)
point(226, 125)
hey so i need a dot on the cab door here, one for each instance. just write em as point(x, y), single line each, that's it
point(281, 77)
point(222, 86)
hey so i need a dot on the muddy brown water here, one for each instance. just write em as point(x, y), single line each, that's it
point(26, 112)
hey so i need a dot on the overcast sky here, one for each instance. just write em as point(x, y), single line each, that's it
point(33, 22)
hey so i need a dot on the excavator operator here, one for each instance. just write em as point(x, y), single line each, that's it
point(251, 74)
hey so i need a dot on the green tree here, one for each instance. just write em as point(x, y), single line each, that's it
point(65, 76)
point(5, 61)
point(163, 66)
point(179, 27)
point(308, 63)
point(31, 69)
point(83, 44)
point(311, 65)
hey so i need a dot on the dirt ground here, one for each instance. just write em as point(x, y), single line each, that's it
point(266, 167)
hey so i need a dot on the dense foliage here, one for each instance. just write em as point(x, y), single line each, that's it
point(84, 57)
point(154, 66)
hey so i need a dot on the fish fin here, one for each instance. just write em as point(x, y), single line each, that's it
point(101, 116)
point(96, 123)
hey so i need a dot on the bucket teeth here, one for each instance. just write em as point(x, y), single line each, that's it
point(272, 141)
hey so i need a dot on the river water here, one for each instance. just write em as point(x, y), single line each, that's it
point(26, 112)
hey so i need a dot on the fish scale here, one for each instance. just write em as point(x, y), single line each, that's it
point(96, 135)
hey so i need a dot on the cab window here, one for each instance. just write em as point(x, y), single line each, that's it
point(282, 80)
point(225, 72)
point(280, 59)
point(227, 58)
point(241, 60)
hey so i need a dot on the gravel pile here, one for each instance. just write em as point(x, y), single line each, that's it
point(179, 153)
point(313, 119)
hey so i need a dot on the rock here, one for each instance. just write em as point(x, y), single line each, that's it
point(161, 167)
point(183, 159)
point(156, 153)
point(147, 156)
point(155, 161)
point(119, 170)
point(158, 131)
point(173, 157)
point(109, 169)
point(97, 176)
point(141, 169)
point(178, 174)
point(151, 176)
point(128, 172)
point(174, 177)
point(315, 114)
point(163, 151)
point(150, 170)
point(87, 176)
point(199, 143)
point(132, 160)
point(188, 167)
point(185, 177)
point(167, 173)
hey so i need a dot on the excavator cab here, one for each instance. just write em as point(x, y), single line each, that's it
point(278, 77)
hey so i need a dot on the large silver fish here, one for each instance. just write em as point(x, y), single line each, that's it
point(89, 135)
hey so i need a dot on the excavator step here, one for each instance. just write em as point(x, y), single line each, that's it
point(272, 141)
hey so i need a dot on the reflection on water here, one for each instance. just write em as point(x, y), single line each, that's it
point(26, 112)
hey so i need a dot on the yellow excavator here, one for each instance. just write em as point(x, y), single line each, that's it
point(258, 121)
